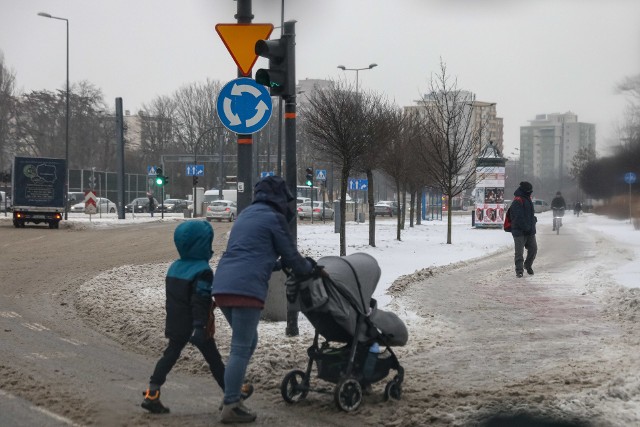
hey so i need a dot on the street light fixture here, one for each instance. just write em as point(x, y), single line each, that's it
point(66, 138)
point(357, 70)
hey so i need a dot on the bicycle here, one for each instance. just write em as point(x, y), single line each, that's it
point(557, 219)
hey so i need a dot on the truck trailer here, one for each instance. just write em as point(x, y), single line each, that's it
point(38, 190)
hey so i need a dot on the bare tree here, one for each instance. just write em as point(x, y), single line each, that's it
point(7, 112)
point(395, 154)
point(450, 139)
point(376, 132)
point(334, 119)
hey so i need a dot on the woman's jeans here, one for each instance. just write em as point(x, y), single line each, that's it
point(244, 339)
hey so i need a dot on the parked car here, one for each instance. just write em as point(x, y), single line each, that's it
point(540, 206)
point(103, 205)
point(301, 200)
point(386, 207)
point(319, 208)
point(222, 209)
point(141, 204)
point(173, 205)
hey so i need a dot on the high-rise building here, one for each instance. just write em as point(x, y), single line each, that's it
point(548, 146)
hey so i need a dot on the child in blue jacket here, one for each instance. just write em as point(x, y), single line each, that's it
point(188, 292)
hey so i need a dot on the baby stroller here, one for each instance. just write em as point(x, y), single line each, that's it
point(342, 311)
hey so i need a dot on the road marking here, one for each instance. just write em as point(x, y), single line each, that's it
point(9, 314)
point(72, 341)
point(35, 327)
point(55, 416)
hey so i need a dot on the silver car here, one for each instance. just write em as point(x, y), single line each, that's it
point(222, 209)
point(103, 205)
point(320, 210)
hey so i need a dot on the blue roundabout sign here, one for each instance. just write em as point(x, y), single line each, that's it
point(244, 106)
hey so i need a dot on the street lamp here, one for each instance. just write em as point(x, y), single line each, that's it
point(66, 138)
point(357, 70)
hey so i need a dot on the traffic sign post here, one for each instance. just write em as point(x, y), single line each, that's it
point(244, 106)
point(321, 174)
point(630, 178)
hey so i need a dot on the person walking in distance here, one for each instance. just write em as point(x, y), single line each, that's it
point(152, 203)
point(558, 206)
point(258, 238)
point(523, 228)
point(188, 304)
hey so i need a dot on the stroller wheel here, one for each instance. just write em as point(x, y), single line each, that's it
point(293, 387)
point(393, 390)
point(348, 394)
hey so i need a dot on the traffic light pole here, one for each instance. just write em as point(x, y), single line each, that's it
point(245, 142)
point(290, 155)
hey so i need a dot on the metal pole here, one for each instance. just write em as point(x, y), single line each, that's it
point(245, 142)
point(120, 148)
point(220, 196)
point(66, 145)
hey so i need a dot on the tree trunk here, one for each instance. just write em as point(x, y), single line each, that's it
point(372, 212)
point(344, 183)
point(399, 222)
point(419, 207)
point(449, 219)
point(412, 205)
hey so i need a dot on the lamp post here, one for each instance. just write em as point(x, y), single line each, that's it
point(66, 137)
point(357, 70)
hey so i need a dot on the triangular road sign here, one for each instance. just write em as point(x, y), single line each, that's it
point(240, 40)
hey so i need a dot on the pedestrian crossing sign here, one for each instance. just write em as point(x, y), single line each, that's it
point(321, 175)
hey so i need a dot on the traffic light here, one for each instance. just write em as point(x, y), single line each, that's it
point(160, 179)
point(309, 178)
point(195, 181)
point(280, 77)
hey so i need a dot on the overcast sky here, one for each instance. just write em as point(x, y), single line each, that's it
point(528, 56)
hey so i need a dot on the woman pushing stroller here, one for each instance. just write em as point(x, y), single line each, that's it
point(258, 238)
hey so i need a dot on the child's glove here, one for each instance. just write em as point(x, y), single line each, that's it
point(198, 336)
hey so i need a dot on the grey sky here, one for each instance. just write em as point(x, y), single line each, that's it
point(528, 56)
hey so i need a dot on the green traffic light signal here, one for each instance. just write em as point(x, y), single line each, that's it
point(160, 180)
point(309, 177)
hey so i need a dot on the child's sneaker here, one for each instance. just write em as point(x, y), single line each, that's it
point(236, 413)
point(152, 402)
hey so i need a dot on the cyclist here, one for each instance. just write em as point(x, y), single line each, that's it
point(558, 205)
point(577, 208)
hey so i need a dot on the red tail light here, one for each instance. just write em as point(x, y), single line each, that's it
point(227, 209)
point(316, 210)
point(299, 209)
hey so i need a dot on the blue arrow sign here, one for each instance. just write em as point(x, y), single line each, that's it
point(358, 184)
point(195, 170)
point(266, 174)
point(244, 106)
point(629, 178)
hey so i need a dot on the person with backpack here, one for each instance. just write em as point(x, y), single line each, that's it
point(523, 228)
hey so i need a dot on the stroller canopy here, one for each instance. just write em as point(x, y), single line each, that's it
point(356, 276)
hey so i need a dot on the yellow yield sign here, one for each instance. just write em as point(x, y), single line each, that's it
point(240, 40)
